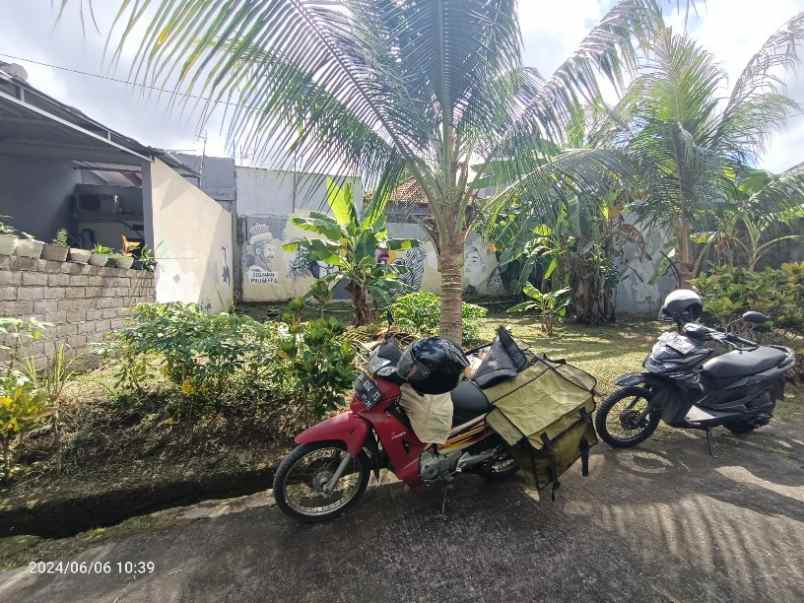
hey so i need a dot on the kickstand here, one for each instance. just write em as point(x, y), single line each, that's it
point(447, 486)
point(709, 442)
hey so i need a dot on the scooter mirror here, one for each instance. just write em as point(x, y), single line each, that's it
point(755, 317)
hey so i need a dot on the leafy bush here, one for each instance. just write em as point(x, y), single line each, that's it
point(418, 313)
point(211, 360)
point(551, 306)
point(320, 363)
point(202, 354)
point(729, 291)
point(22, 406)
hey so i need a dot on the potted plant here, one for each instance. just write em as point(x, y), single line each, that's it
point(80, 256)
point(57, 250)
point(28, 247)
point(122, 260)
point(8, 240)
point(100, 255)
point(146, 261)
point(125, 259)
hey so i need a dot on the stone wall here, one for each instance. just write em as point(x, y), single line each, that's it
point(81, 302)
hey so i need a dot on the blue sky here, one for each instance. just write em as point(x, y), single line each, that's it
point(732, 29)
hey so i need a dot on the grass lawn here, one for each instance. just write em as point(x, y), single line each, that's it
point(605, 352)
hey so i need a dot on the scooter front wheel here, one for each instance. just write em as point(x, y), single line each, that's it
point(623, 419)
point(304, 487)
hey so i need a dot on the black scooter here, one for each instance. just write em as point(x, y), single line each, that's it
point(687, 388)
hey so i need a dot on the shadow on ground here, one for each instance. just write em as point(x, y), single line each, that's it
point(664, 522)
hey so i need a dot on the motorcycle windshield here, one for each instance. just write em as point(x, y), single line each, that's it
point(673, 347)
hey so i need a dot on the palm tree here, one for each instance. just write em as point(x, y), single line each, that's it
point(424, 87)
point(690, 141)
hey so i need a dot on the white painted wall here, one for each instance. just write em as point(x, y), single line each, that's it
point(262, 192)
point(635, 293)
point(193, 240)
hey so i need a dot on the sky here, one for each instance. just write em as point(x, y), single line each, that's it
point(731, 29)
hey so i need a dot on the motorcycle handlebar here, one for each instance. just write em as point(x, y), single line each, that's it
point(738, 343)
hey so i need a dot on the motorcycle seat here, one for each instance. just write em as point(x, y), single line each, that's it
point(740, 364)
point(468, 402)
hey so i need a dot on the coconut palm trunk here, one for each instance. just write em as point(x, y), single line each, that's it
point(450, 265)
point(683, 251)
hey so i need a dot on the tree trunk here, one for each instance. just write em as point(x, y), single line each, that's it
point(684, 251)
point(360, 300)
point(450, 265)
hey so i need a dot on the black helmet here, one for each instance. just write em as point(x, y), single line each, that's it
point(433, 365)
point(682, 305)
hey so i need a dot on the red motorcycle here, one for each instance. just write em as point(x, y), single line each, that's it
point(330, 469)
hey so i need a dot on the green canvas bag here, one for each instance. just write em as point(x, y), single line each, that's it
point(545, 415)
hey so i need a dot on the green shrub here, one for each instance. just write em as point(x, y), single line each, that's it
point(418, 313)
point(22, 407)
point(729, 291)
point(202, 354)
point(319, 363)
point(210, 360)
point(551, 306)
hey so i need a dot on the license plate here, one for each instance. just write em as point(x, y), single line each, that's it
point(367, 391)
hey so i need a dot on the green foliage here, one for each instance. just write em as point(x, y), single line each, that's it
point(102, 250)
point(549, 306)
point(730, 291)
point(13, 331)
point(320, 363)
point(22, 407)
point(214, 359)
point(51, 382)
point(201, 353)
point(62, 238)
point(349, 244)
point(147, 259)
point(418, 313)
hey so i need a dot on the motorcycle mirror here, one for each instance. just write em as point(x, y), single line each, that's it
point(755, 317)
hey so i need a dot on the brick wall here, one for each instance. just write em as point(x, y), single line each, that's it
point(81, 302)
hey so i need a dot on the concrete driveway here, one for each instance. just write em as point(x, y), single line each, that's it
point(664, 522)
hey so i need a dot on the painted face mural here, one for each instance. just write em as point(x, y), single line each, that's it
point(259, 255)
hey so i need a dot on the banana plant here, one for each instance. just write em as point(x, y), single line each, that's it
point(349, 242)
point(550, 306)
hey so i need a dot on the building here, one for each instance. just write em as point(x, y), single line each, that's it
point(59, 168)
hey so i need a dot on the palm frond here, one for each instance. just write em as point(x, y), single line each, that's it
point(608, 51)
point(783, 194)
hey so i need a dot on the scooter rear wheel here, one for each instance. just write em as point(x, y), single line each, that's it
point(300, 482)
point(623, 409)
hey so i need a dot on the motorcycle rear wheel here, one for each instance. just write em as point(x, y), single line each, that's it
point(612, 404)
point(299, 482)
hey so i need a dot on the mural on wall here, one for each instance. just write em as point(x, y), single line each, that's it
point(410, 264)
point(271, 274)
point(259, 255)
point(268, 272)
point(226, 274)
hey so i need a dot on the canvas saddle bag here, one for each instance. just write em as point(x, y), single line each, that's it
point(543, 410)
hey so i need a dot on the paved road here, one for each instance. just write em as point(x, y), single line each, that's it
point(662, 523)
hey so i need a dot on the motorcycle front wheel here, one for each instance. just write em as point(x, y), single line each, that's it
point(301, 482)
point(623, 420)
